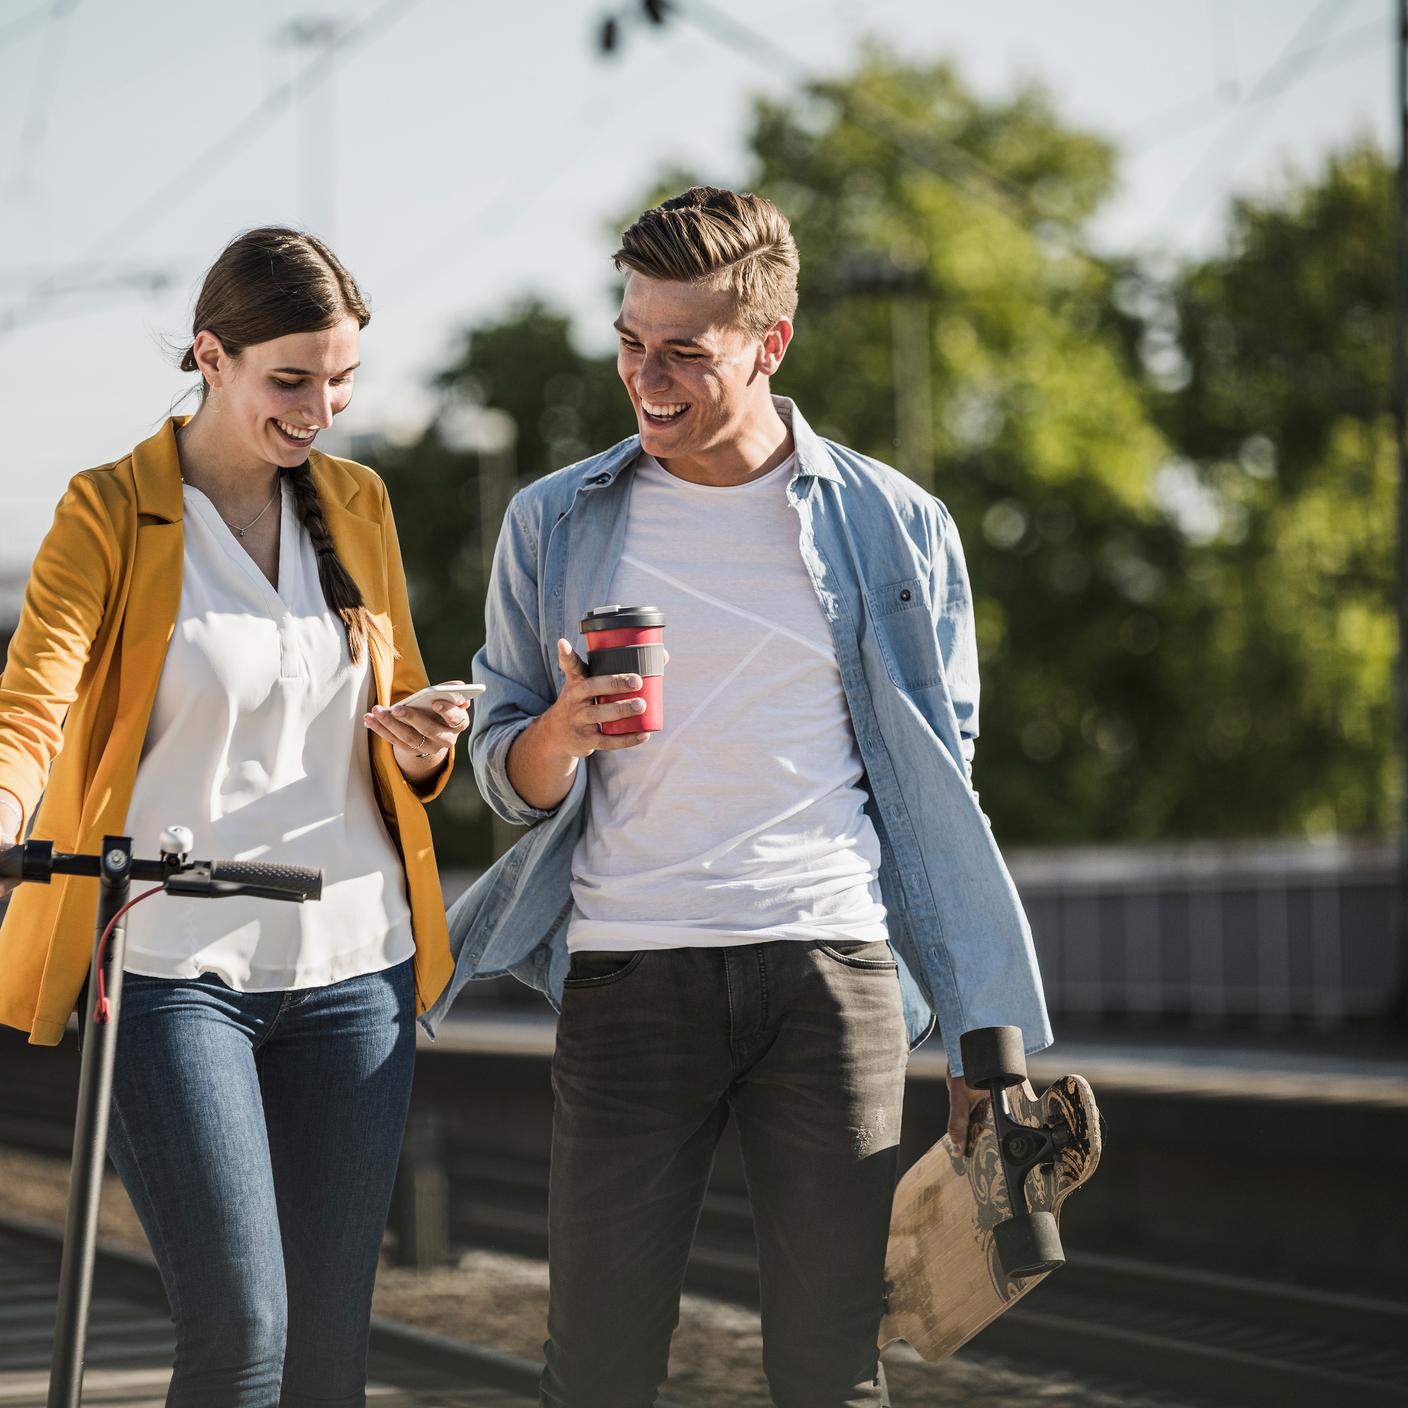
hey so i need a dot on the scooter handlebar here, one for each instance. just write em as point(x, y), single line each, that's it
point(266, 880)
point(27, 860)
point(291, 882)
point(269, 880)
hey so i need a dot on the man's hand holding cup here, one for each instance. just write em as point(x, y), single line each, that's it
point(611, 700)
point(572, 724)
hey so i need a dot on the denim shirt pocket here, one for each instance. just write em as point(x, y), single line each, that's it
point(904, 627)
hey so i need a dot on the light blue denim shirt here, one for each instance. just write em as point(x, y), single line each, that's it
point(888, 570)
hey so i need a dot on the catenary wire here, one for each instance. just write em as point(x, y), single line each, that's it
point(212, 158)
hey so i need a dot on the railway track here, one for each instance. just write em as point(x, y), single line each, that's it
point(1222, 1339)
point(130, 1339)
point(480, 1149)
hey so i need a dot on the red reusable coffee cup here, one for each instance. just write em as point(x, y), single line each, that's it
point(628, 640)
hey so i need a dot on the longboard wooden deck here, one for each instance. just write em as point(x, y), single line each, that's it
point(946, 1282)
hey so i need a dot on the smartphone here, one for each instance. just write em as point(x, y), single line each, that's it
point(453, 693)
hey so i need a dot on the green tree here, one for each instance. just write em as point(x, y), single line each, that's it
point(1277, 398)
point(560, 405)
point(1173, 492)
point(1042, 445)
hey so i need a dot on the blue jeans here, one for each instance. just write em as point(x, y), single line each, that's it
point(257, 1135)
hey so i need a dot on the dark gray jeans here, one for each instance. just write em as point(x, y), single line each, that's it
point(805, 1044)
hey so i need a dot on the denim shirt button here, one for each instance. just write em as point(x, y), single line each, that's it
point(906, 594)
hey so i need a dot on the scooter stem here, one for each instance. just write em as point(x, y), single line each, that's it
point(90, 1134)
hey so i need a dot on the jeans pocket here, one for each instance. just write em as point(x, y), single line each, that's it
point(859, 953)
point(598, 968)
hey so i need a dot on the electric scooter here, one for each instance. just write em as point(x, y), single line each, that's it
point(115, 869)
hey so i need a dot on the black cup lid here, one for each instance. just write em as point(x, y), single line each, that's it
point(622, 618)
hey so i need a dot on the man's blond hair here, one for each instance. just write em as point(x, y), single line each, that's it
point(721, 239)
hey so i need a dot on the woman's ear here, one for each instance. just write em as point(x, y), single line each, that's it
point(210, 357)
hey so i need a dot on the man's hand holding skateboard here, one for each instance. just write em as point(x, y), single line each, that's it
point(963, 1103)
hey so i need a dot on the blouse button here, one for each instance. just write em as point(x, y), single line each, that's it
point(906, 594)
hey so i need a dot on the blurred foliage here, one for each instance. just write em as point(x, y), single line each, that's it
point(1174, 486)
point(561, 406)
point(1269, 370)
point(1043, 448)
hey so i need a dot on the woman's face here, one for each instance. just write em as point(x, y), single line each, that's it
point(276, 396)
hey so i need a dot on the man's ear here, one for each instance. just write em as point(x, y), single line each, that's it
point(774, 346)
point(212, 362)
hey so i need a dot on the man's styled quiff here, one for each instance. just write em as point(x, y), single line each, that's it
point(721, 239)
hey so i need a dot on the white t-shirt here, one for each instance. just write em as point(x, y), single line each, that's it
point(743, 819)
point(256, 742)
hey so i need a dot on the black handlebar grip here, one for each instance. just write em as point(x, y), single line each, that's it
point(301, 881)
point(29, 860)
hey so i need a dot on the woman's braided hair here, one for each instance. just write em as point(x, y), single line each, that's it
point(268, 283)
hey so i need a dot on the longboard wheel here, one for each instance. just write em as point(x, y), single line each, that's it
point(993, 1054)
point(1029, 1244)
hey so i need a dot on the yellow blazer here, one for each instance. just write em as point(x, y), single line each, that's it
point(81, 679)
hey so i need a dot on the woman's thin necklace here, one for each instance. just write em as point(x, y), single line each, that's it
point(234, 528)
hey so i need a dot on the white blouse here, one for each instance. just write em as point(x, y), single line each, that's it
point(256, 743)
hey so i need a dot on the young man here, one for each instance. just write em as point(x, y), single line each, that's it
point(756, 911)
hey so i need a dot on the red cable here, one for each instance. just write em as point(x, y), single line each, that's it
point(101, 1008)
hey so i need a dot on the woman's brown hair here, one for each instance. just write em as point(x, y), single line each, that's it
point(268, 283)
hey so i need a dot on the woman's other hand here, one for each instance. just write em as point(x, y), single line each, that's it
point(11, 818)
point(413, 730)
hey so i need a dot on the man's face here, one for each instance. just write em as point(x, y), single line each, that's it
point(693, 376)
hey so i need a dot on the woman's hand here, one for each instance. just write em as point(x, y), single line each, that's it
point(10, 819)
point(413, 730)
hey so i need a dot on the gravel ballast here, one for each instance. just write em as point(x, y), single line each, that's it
point(500, 1301)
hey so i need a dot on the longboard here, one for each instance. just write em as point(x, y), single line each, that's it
point(945, 1281)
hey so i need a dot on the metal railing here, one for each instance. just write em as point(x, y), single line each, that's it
point(1276, 934)
point(1268, 934)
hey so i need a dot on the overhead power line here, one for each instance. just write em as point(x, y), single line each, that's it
point(1201, 112)
point(1227, 71)
point(24, 25)
point(219, 153)
point(135, 275)
point(925, 149)
point(1306, 52)
point(920, 147)
point(31, 139)
point(1276, 80)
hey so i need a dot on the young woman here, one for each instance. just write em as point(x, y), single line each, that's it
point(214, 632)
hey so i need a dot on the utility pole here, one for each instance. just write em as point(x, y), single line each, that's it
point(910, 335)
point(491, 436)
point(498, 480)
point(1400, 426)
point(906, 287)
point(317, 123)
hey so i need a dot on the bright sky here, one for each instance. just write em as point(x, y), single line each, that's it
point(468, 154)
